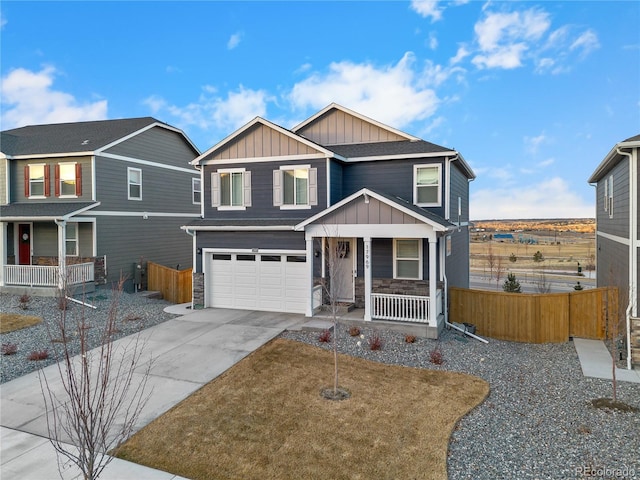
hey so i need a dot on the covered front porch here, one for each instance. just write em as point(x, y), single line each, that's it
point(380, 255)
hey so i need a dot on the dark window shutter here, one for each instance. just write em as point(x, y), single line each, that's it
point(78, 180)
point(47, 181)
point(26, 181)
point(57, 180)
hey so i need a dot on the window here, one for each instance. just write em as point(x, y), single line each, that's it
point(407, 261)
point(295, 187)
point(134, 180)
point(36, 181)
point(72, 239)
point(68, 178)
point(609, 199)
point(426, 185)
point(196, 191)
point(231, 189)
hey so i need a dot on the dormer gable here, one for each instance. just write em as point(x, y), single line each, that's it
point(337, 125)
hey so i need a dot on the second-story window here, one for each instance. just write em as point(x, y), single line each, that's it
point(295, 187)
point(134, 182)
point(36, 181)
point(231, 189)
point(68, 180)
point(426, 188)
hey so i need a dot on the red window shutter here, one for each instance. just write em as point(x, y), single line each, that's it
point(47, 181)
point(26, 181)
point(78, 180)
point(57, 180)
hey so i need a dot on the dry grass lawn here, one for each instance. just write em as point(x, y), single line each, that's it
point(10, 322)
point(264, 419)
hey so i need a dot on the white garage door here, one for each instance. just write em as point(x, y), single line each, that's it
point(275, 283)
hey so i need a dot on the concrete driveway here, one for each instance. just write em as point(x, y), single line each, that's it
point(187, 352)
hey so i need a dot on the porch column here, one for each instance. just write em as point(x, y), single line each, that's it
point(433, 258)
point(62, 253)
point(309, 243)
point(367, 278)
point(3, 250)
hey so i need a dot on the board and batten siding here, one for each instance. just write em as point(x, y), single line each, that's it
point(163, 190)
point(17, 179)
point(261, 141)
point(157, 145)
point(337, 127)
point(262, 190)
point(618, 225)
point(373, 212)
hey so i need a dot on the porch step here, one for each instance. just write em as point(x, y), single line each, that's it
point(343, 308)
point(150, 294)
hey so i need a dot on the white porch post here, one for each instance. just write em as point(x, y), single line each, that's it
point(3, 250)
point(309, 242)
point(367, 279)
point(433, 320)
point(62, 253)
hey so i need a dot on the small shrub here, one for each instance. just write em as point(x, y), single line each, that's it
point(410, 338)
point(435, 356)
point(24, 301)
point(375, 342)
point(9, 348)
point(38, 355)
point(354, 331)
point(325, 336)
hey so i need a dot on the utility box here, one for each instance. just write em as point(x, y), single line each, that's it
point(138, 274)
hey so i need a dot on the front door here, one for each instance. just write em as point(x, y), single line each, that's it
point(343, 273)
point(24, 244)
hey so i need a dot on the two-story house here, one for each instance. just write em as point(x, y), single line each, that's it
point(273, 199)
point(618, 234)
point(84, 202)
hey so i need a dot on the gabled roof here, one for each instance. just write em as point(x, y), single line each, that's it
point(613, 157)
point(438, 223)
point(77, 137)
point(44, 211)
point(335, 106)
point(259, 120)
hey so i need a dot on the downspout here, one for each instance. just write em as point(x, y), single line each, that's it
point(633, 249)
point(192, 233)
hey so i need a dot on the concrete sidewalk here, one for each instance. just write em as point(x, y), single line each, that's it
point(596, 361)
point(188, 352)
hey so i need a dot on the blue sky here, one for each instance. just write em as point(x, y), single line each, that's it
point(533, 94)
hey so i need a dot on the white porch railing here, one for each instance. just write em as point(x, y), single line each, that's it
point(405, 308)
point(47, 276)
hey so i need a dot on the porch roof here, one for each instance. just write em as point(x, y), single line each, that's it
point(21, 212)
point(204, 224)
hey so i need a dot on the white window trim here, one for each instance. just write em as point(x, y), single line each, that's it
point(395, 259)
point(44, 189)
point(76, 240)
point(195, 180)
point(129, 183)
point(306, 206)
point(233, 207)
point(415, 185)
point(75, 180)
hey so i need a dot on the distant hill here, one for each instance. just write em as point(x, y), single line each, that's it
point(578, 225)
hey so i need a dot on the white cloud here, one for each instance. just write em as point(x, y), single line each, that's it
point(461, 54)
point(28, 98)
point(586, 43)
point(532, 144)
point(3, 20)
point(393, 94)
point(552, 198)
point(433, 41)
point(546, 163)
point(427, 8)
point(234, 40)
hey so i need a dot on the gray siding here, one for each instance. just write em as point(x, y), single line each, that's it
point(157, 145)
point(17, 179)
point(337, 127)
point(126, 240)
point(85, 239)
point(619, 224)
point(4, 165)
point(394, 177)
point(613, 265)
point(163, 190)
point(457, 264)
point(262, 190)
point(45, 239)
point(371, 212)
point(335, 177)
point(459, 188)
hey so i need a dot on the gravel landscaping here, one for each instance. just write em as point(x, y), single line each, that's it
point(537, 423)
point(134, 314)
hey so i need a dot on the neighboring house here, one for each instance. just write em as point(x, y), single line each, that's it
point(397, 208)
point(618, 234)
point(91, 199)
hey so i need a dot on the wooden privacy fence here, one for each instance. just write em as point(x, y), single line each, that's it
point(536, 318)
point(175, 285)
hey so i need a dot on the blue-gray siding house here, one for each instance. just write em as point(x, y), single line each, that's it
point(92, 199)
point(277, 201)
point(617, 179)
